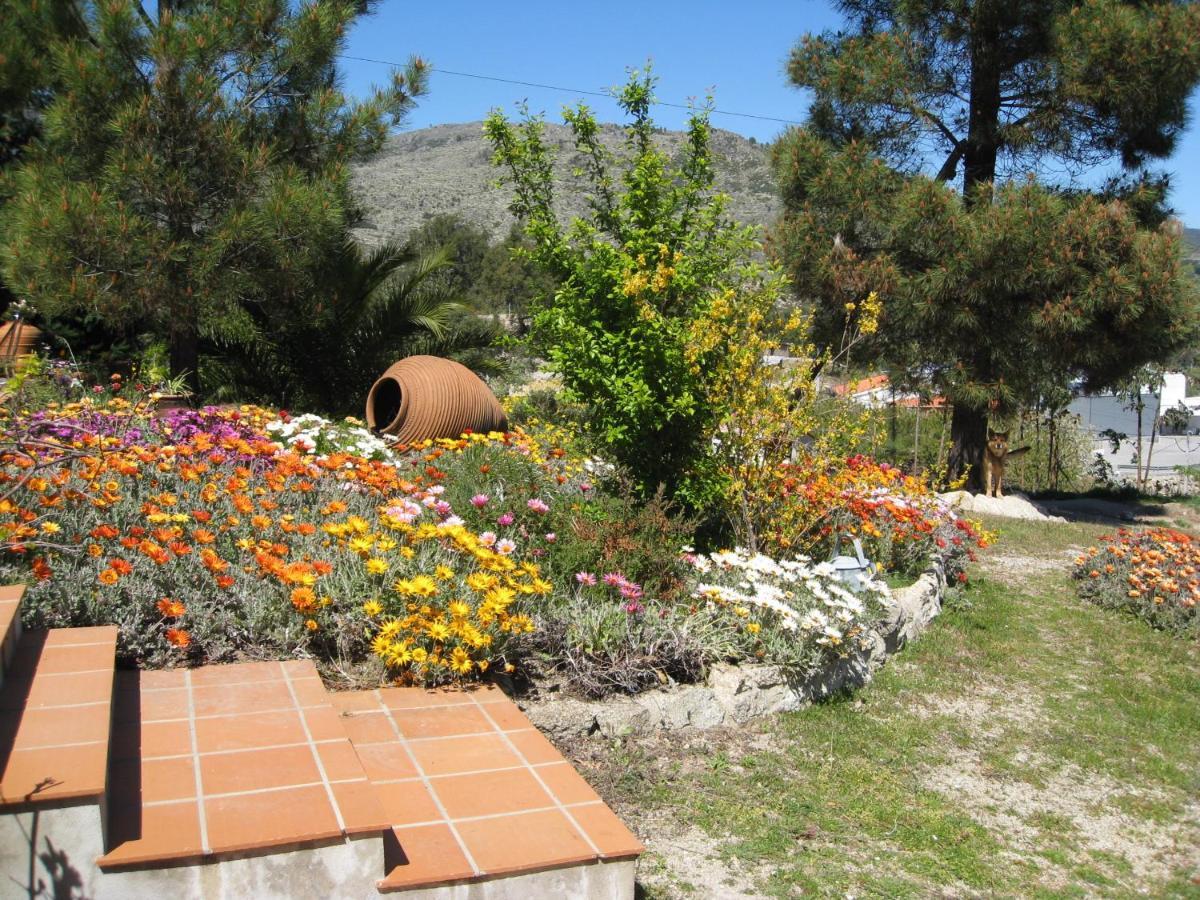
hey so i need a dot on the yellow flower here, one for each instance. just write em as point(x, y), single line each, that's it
point(51, 527)
point(443, 573)
point(377, 566)
point(460, 661)
point(381, 645)
point(459, 609)
point(311, 625)
point(372, 608)
point(417, 586)
point(361, 545)
point(390, 629)
point(438, 631)
point(419, 655)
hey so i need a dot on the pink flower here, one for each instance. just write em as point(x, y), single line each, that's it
point(551, 537)
point(487, 538)
point(504, 546)
point(505, 519)
point(538, 506)
point(631, 591)
point(442, 508)
point(614, 579)
point(585, 487)
point(633, 607)
point(480, 500)
point(587, 579)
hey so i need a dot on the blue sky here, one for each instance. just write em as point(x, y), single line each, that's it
point(735, 50)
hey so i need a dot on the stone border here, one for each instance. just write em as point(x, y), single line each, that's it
point(734, 694)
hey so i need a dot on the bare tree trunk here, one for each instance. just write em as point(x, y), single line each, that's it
point(968, 437)
point(917, 440)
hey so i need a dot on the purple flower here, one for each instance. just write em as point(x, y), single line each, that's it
point(587, 579)
point(480, 500)
point(505, 519)
point(538, 506)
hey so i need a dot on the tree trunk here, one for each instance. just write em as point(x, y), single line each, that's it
point(184, 351)
point(983, 123)
point(968, 437)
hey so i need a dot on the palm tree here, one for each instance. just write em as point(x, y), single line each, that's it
point(372, 306)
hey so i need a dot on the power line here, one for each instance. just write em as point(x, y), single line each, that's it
point(556, 87)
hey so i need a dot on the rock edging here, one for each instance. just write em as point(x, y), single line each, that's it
point(734, 694)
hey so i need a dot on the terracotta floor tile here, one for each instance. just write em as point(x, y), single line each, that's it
point(153, 739)
point(247, 732)
point(310, 691)
point(228, 699)
point(12, 593)
point(56, 660)
point(447, 756)
point(534, 746)
point(251, 770)
point(354, 701)
point(169, 703)
point(340, 761)
point(607, 831)
point(236, 673)
point(506, 715)
point(51, 727)
point(272, 818)
point(324, 724)
point(154, 679)
point(421, 856)
point(410, 698)
point(511, 790)
point(85, 687)
point(152, 780)
point(368, 728)
point(299, 668)
point(566, 784)
point(442, 722)
point(62, 772)
point(171, 831)
point(527, 841)
point(359, 804)
point(385, 762)
point(407, 802)
point(71, 637)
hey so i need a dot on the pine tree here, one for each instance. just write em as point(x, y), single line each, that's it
point(995, 89)
point(192, 166)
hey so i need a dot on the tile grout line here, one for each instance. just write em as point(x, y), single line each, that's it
point(312, 747)
point(19, 748)
point(257, 712)
point(502, 815)
point(437, 801)
point(205, 848)
point(247, 749)
point(538, 778)
point(543, 765)
point(266, 790)
point(443, 737)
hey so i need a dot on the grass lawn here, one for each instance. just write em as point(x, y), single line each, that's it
point(1027, 745)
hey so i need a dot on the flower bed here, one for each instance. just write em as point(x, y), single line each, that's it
point(223, 533)
point(1154, 574)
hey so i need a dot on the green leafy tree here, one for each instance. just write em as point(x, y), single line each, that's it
point(192, 169)
point(465, 246)
point(972, 287)
point(510, 282)
point(641, 281)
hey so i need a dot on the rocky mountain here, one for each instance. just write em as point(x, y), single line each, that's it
point(447, 169)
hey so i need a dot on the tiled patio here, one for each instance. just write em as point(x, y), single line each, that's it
point(202, 766)
point(460, 773)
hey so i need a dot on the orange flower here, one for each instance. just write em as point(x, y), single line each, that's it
point(41, 569)
point(203, 536)
point(172, 608)
point(177, 637)
point(202, 516)
point(120, 566)
point(225, 581)
point(179, 548)
point(303, 598)
point(261, 522)
point(310, 624)
point(108, 576)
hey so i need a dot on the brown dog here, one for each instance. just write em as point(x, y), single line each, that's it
point(995, 455)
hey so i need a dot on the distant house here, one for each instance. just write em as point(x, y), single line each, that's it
point(876, 391)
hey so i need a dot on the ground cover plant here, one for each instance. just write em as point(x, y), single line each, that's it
point(1153, 574)
point(220, 533)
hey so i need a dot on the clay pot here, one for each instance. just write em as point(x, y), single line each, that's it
point(429, 397)
point(17, 341)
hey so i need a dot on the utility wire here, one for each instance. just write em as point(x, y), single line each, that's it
point(556, 87)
